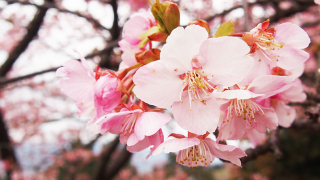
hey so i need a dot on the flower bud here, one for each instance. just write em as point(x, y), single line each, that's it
point(167, 15)
point(201, 23)
point(148, 56)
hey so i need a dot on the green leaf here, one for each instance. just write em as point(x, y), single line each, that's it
point(225, 29)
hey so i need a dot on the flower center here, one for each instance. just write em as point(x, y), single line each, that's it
point(129, 123)
point(265, 41)
point(195, 83)
point(198, 155)
point(244, 108)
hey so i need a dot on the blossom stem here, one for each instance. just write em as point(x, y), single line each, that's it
point(237, 34)
point(121, 74)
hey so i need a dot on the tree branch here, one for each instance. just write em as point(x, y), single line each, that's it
point(104, 159)
point(32, 31)
point(5, 81)
point(48, 5)
point(115, 166)
point(269, 145)
point(234, 8)
point(115, 34)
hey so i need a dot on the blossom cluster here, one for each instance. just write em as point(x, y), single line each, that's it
point(234, 84)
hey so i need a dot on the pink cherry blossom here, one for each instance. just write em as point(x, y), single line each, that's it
point(286, 114)
point(96, 92)
point(136, 26)
point(281, 46)
point(197, 151)
point(133, 30)
point(243, 109)
point(317, 1)
point(78, 80)
point(190, 67)
point(135, 125)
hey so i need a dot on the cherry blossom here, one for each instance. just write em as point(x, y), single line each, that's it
point(190, 67)
point(196, 150)
point(286, 114)
point(136, 125)
point(281, 46)
point(243, 109)
point(97, 93)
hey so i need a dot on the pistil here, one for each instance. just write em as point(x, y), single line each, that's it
point(196, 83)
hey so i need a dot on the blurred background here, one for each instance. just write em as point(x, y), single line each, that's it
point(41, 136)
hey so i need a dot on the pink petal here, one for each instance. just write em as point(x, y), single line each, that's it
point(237, 94)
point(154, 140)
point(123, 139)
point(285, 113)
point(105, 96)
point(295, 93)
point(128, 55)
point(226, 59)
point(201, 118)
point(182, 45)
point(86, 109)
point(113, 122)
point(133, 139)
point(156, 85)
point(289, 57)
point(292, 35)
point(135, 27)
point(270, 120)
point(270, 85)
point(226, 152)
point(255, 137)
point(296, 72)
point(260, 68)
point(92, 127)
point(149, 123)
point(77, 83)
point(174, 145)
point(232, 130)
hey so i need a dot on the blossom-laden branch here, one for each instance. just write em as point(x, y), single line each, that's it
point(259, 76)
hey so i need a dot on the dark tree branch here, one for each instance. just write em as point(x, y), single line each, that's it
point(115, 166)
point(48, 5)
point(310, 24)
point(271, 144)
point(5, 81)
point(91, 143)
point(7, 151)
point(115, 34)
point(234, 8)
point(298, 6)
point(32, 31)
point(309, 126)
point(104, 159)
point(274, 140)
point(256, 152)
